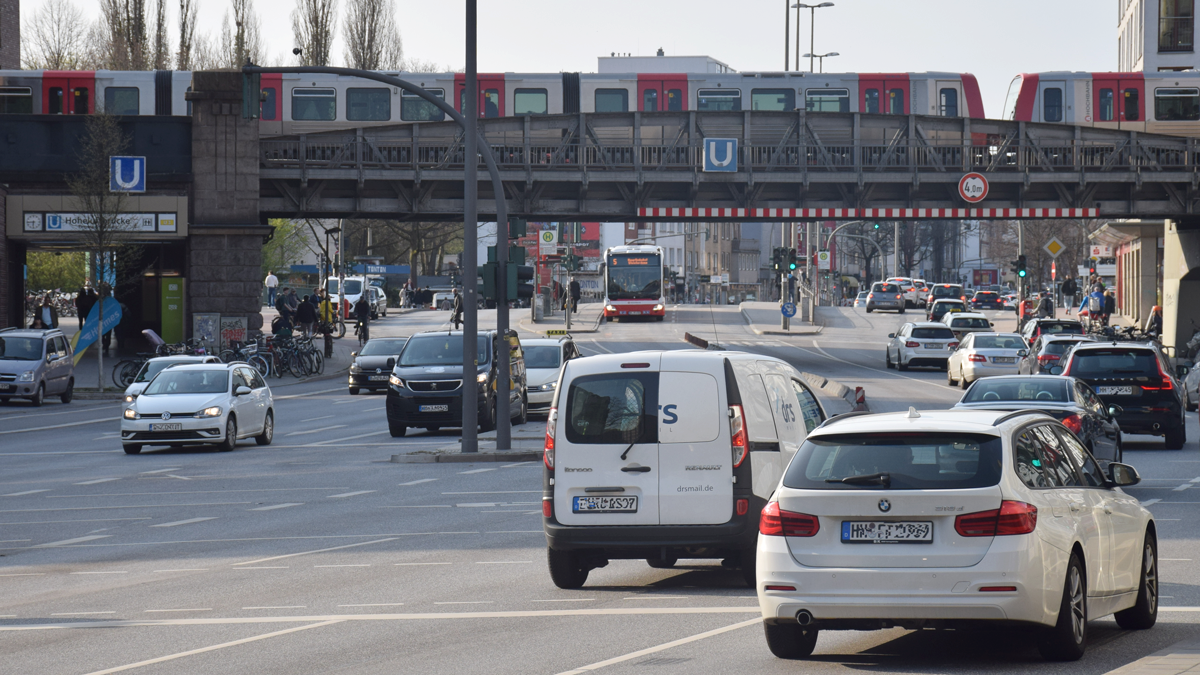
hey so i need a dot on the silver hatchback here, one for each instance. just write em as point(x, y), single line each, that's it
point(35, 363)
point(885, 295)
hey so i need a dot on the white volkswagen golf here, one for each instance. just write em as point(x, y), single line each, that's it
point(950, 519)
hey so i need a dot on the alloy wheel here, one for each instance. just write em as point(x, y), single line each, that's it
point(1150, 572)
point(1078, 610)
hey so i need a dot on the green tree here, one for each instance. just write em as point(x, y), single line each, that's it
point(287, 245)
point(56, 269)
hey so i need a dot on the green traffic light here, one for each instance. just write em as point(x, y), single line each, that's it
point(1021, 273)
point(792, 266)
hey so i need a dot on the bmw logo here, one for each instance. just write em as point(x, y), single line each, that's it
point(885, 505)
point(166, 416)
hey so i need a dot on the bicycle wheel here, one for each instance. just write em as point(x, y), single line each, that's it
point(291, 362)
point(228, 356)
point(341, 329)
point(318, 361)
point(260, 363)
point(310, 364)
point(118, 373)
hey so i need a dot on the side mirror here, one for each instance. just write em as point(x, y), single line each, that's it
point(353, 354)
point(241, 391)
point(1182, 371)
point(1122, 475)
point(891, 335)
point(391, 363)
point(1114, 410)
point(1022, 353)
point(991, 324)
point(1056, 370)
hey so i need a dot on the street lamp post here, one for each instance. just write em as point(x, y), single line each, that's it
point(822, 58)
point(812, 34)
point(787, 33)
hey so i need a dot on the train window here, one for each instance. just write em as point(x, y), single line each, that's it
point(895, 101)
point(121, 101)
point(872, 101)
point(16, 100)
point(948, 102)
point(413, 108)
point(772, 99)
point(612, 100)
point(267, 104)
point(719, 99)
point(1107, 110)
point(674, 100)
point(1052, 104)
point(491, 103)
point(1177, 105)
point(371, 105)
point(314, 104)
point(80, 96)
point(530, 102)
point(56, 101)
point(827, 100)
point(1133, 105)
point(650, 100)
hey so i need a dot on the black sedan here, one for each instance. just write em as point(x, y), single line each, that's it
point(1067, 399)
point(1048, 351)
point(372, 366)
point(987, 300)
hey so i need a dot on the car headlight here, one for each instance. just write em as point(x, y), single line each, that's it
point(129, 398)
point(214, 411)
point(26, 376)
point(131, 414)
point(549, 386)
point(395, 381)
point(355, 368)
point(658, 308)
point(483, 377)
point(610, 308)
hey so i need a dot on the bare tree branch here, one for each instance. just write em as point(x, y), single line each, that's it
point(313, 24)
point(187, 33)
point(54, 37)
point(162, 41)
point(372, 36)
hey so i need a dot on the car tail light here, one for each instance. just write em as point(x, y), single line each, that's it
point(743, 507)
point(779, 523)
point(977, 358)
point(1011, 518)
point(897, 296)
point(870, 295)
point(952, 345)
point(1165, 385)
point(547, 507)
point(1074, 423)
point(739, 440)
point(912, 345)
point(1046, 359)
point(997, 589)
point(779, 588)
point(548, 452)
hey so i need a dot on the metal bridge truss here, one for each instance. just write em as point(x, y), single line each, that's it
point(630, 166)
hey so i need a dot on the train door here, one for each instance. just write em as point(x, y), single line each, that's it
point(270, 120)
point(1119, 101)
point(887, 94)
point(662, 93)
point(68, 92)
point(948, 99)
point(491, 94)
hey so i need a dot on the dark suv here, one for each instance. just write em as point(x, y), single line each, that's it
point(1047, 352)
point(945, 292)
point(1139, 380)
point(425, 388)
point(987, 299)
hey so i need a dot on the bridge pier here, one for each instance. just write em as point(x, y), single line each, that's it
point(1181, 281)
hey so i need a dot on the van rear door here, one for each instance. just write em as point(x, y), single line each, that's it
point(694, 452)
point(606, 444)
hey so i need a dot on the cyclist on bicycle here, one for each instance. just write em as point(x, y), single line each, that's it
point(362, 312)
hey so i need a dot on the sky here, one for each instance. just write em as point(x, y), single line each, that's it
point(993, 39)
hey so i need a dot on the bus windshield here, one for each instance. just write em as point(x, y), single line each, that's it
point(353, 286)
point(634, 276)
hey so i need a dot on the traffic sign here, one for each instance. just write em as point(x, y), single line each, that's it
point(823, 260)
point(788, 309)
point(126, 174)
point(548, 242)
point(1054, 247)
point(973, 188)
point(720, 154)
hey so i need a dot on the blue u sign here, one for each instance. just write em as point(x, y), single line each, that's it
point(720, 154)
point(126, 174)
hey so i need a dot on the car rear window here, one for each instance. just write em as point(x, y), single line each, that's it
point(1033, 389)
point(616, 408)
point(947, 291)
point(886, 288)
point(985, 295)
point(1114, 362)
point(933, 334)
point(1064, 327)
point(1059, 346)
point(970, 323)
point(998, 342)
point(917, 461)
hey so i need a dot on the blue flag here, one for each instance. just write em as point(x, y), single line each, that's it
point(91, 326)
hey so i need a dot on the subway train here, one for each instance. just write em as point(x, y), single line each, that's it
point(1160, 103)
point(295, 104)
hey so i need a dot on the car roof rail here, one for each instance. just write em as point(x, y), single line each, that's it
point(5, 330)
point(843, 416)
point(1013, 415)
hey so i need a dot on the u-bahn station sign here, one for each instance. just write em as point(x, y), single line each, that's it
point(132, 223)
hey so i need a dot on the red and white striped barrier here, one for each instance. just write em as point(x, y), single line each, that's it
point(850, 214)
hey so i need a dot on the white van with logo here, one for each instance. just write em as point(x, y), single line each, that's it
point(667, 455)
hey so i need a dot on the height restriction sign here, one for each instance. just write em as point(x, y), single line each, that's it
point(973, 188)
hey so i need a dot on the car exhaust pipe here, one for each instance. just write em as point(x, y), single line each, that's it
point(804, 617)
point(1156, 425)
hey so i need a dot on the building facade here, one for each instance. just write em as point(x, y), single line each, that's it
point(1156, 36)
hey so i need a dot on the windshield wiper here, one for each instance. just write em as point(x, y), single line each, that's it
point(623, 454)
point(883, 479)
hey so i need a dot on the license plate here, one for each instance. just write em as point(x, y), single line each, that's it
point(166, 427)
point(934, 346)
point(6, 387)
point(377, 378)
point(634, 313)
point(605, 505)
point(1115, 391)
point(434, 408)
point(1004, 359)
point(887, 532)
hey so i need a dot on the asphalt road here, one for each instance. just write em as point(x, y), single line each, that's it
point(318, 555)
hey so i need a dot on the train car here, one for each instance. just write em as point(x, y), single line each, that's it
point(1161, 103)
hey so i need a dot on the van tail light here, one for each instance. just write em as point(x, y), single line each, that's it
point(977, 358)
point(1074, 423)
point(1011, 518)
point(547, 507)
point(738, 438)
point(912, 345)
point(548, 452)
point(778, 523)
point(743, 506)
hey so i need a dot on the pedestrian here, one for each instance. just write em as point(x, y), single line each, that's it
point(282, 306)
point(1154, 322)
point(272, 283)
point(456, 310)
point(293, 300)
point(83, 303)
point(1069, 289)
point(1045, 308)
point(306, 316)
point(325, 317)
point(1110, 305)
point(48, 313)
point(576, 293)
point(37, 323)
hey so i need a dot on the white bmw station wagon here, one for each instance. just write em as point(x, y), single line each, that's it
point(948, 519)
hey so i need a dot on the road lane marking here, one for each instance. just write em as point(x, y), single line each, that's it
point(147, 473)
point(504, 492)
point(77, 540)
point(423, 563)
point(277, 506)
point(360, 565)
point(663, 647)
point(311, 393)
point(411, 482)
point(25, 574)
point(316, 431)
point(106, 508)
point(518, 464)
point(567, 600)
point(279, 607)
point(195, 609)
point(97, 480)
point(90, 520)
point(1148, 502)
point(350, 494)
point(277, 567)
point(197, 492)
point(324, 417)
point(111, 572)
point(189, 521)
point(320, 550)
point(467, 602)
point(1176, 559)
point(79, 613)
point(344, 439)
point(197, 569)
point(27, 492)
point(191, 652)
point(473, 505)
point(503, 562)
point(658, 597)
point(56, 426)
point(375, 604)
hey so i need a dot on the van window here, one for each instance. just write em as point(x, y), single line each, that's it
point(810, 410)
point(784, 407)
point(612, 409)
point(690, 408)
point(914, 461)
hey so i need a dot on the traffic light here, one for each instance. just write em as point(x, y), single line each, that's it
point(572, 262)
point(791, 254)
point(487, 278)
point(520, 281)
point(1092, 268)
point(516, 254)
point(517, 228)
point(877, 226)
point(1021, 271)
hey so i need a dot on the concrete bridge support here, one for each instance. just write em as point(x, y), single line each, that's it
point(1181, 282)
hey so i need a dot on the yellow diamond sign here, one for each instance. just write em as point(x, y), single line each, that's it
point(1054, 247)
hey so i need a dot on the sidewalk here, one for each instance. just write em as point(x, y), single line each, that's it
point(586, 320)
point(1181, 657)
point(764, 318)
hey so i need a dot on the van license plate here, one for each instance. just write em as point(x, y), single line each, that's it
point(434, 408)
point(377, 378)
point(1115, 391)
point(605, 505)
point(166, 427)
point(888, 532)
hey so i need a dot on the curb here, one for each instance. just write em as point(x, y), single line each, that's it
point(809, 330)
point(534, 328)
point(467, 457)
point(838, 390)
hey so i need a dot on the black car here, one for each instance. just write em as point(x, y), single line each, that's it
point(945, 292)
point(1047, 352)
point(425, 389)
point(373, 365)
point(1139, 381)
point(1067, 399)
point(1035, 328)
point(987, 300)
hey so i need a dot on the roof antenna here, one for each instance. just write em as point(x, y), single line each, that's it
point(912, 413)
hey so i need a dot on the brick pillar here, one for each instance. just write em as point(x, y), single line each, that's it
point(1181, 280)
point(10, 34)
point(226, 236)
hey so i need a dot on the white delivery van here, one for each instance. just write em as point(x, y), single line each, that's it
point(667, 455)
